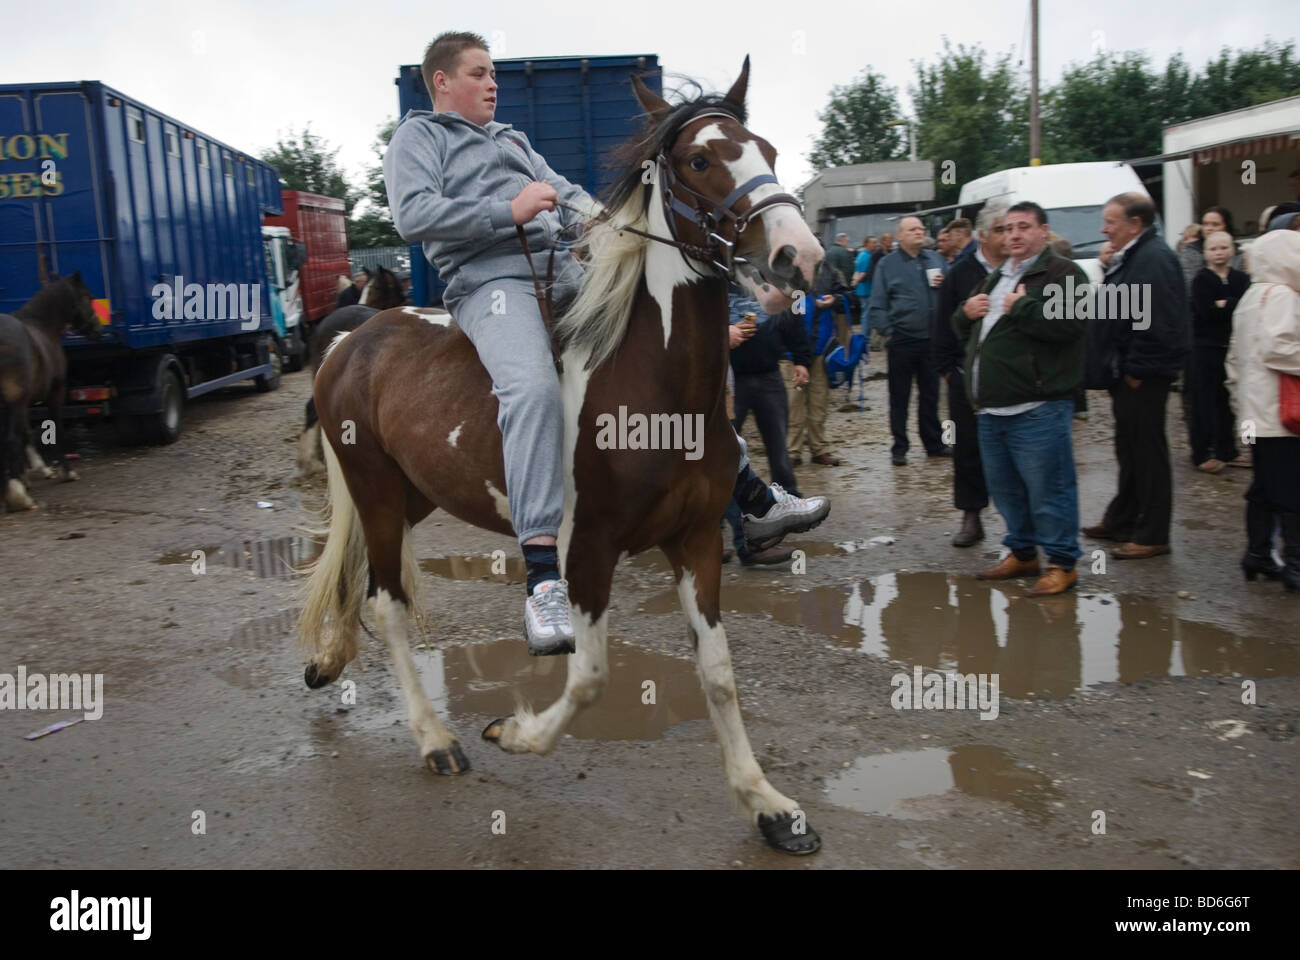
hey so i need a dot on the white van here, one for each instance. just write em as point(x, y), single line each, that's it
point(1073, 195)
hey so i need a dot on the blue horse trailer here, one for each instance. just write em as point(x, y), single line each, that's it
point(574, 110)
point(165, 225)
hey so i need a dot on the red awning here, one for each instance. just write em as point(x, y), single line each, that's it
point(1245, 148)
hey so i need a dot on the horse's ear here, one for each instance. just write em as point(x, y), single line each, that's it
point(737, 92)
point(650, 101)
point(76, 278)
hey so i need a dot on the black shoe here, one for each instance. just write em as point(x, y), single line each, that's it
point(1259, 544)
point(727, 554)
point(767, 558)
point(971, 532)
point(941, 452)
point(1291, 551)
point(900, 460)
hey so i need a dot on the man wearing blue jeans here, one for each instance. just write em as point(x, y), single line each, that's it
point(1025, 350)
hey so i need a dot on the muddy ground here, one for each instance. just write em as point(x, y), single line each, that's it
point(1124, 696)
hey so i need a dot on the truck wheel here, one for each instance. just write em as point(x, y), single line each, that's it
point(165, 426)
point(268, 382)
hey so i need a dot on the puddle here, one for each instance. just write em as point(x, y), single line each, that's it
point(469, 685)
point(278, 558)
point(476, 568)
point(1044, 648)
point(888, 784)
point(267, 633)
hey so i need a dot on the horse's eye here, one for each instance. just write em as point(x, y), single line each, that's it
point(699, 163)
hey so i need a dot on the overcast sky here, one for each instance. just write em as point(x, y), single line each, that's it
point(247, 72)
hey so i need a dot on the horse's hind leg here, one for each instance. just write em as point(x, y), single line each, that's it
point(12, 461)
point(697, 561)
point(384, 517)
point(590, 572)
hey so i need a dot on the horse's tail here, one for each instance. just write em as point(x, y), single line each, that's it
point(336, 589)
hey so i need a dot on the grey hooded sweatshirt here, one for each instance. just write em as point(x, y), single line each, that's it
point(450, 183)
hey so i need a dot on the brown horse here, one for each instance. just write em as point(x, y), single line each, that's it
point(34, 369)
point(411, 422)
point(381, 292)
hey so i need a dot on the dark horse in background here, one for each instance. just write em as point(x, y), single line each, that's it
point(381, 292)
point(411, 423)
point(34, 369)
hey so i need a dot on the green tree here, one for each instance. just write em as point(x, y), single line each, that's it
point(1110, 108)
point(1233, 81)
point(306, 162)
point(972, 113)
point(373, 225)
point(855, 124)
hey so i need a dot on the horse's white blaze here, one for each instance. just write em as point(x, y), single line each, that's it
point(665, 267)
point(501, 500)
point(782, 223)
point(451, 437)
point(365, 294)
point(439, 318)
point(748, 785)
point(330, 349)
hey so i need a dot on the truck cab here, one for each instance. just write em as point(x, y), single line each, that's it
point(284, 259)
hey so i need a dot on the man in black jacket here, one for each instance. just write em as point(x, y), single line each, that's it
point(1137, 344)
point(967, 272)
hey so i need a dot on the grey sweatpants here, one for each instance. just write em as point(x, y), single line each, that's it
point(504, 323)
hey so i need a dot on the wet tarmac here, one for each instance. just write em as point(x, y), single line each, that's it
point(1164, 692)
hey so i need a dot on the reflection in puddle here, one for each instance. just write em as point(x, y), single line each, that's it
point(1046, 647)
point(485, 680)
point(885, 784)
point(277, 558)
point(501, 570)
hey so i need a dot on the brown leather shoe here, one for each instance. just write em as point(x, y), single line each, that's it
point(1008, 568)
point(1055, 580)
point(1138, 551)
point(1098, 531)
point(827, 460)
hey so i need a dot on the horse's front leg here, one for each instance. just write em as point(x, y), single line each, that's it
point(57, 397)
point(697, 561)
point(590, 571)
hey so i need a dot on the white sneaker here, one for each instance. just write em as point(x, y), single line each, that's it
point(547, 621)
point(790, 514)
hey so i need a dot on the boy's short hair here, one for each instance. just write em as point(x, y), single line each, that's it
point(1028, 206)
point(444, 54)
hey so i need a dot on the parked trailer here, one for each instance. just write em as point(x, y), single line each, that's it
point(574, 110)
point(165, 225)
point(321, 226)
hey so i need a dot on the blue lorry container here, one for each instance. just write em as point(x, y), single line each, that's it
point(574, 110)
point(95, 181)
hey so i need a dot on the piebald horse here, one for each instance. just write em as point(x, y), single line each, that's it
point(382, 291)
point(34, 369)
point(411, 425)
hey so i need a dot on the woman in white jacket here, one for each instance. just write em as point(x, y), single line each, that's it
point(1265, 343)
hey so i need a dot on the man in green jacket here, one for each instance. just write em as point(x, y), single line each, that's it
point(1024, 333)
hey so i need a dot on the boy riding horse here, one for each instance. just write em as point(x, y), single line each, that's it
point(460, 183)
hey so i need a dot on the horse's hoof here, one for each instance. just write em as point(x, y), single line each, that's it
point(778, 830)
point(495, 730)
point(69, 474)
point(314, 678)
point(449, 762)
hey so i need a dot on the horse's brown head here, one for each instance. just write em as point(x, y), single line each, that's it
point(722, 197)
point(80, 306)
point(383, 290)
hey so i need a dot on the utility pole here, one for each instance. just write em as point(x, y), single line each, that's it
point(1035, 134)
